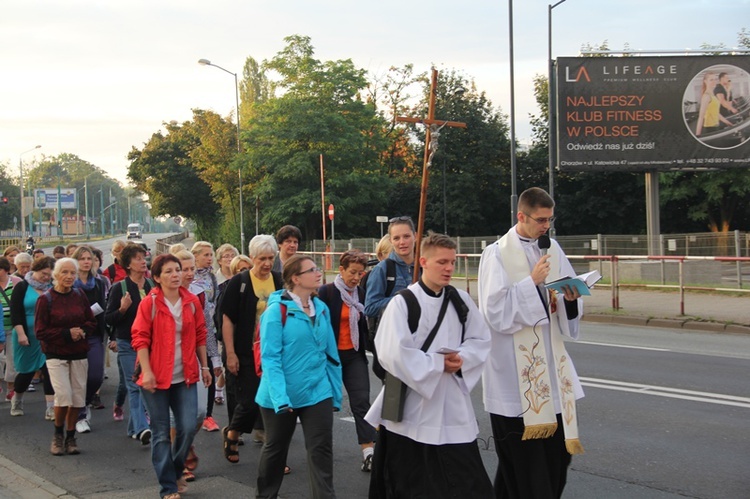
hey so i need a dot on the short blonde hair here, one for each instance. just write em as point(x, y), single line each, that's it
point(384, 247)
point(177, 247)
point(183, 254)
point(234, 266)
point(224, 248)
point(200, 246)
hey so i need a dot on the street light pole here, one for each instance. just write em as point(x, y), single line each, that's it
point(20, 171)
point(551, 104)
point(513, 188)
point(206, 62)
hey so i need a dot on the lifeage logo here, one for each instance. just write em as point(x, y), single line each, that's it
point(581, 71)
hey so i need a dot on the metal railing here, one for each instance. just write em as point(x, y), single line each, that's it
point(719, 274)
point(162, 245)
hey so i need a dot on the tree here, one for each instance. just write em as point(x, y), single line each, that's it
point(72, 172)
point(319, 112)
point(165, 171)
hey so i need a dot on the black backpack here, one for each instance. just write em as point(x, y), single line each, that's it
point(415, 310)
point(390, 283)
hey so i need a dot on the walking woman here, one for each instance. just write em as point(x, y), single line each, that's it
point(93, 287)
point(301, 378)
point(27, 352)
point(345, 300)
point(122, 305)
point(7, 283)
point(390, 276)
point(205, 280)
point(168, 332)
point(62, 321)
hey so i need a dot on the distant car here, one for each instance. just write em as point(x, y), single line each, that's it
point(149, 258)
point(135, 231)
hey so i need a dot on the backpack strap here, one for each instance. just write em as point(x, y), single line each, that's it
point(390, 276)
point(283, 308)
point(413, 308)
point(244, 281)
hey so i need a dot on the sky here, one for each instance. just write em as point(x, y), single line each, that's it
point(96, 78)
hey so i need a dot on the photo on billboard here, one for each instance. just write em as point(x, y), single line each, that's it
point(714, 113)
point(649, 113)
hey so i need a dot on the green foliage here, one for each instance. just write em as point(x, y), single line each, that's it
point(165, 171)
point(475, 160)
point(319, 113)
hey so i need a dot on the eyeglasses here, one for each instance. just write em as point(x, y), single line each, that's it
point(399, 219)
point(541, 221)
point(312, 270)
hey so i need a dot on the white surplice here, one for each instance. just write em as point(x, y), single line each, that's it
point(508, 307)
point(438, 407)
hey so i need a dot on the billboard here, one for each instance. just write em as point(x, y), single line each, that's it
point(47, 199)
point(653, 113)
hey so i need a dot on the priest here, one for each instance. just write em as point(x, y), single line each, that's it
point(530, 383)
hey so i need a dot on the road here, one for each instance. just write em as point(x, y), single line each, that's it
point(666, 415)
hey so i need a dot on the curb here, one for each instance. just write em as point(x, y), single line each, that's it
point(685, 323)
point(17, 479)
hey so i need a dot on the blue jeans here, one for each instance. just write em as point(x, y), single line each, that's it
point(126, 362)
point(168, 457)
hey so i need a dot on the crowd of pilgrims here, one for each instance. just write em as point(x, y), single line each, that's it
point(187, 336)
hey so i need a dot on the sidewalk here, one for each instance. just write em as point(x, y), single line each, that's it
point(704, 312)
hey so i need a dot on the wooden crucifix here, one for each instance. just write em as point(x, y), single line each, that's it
point(430, 147)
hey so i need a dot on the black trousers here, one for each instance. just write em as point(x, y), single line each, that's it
point(528, 469)
point(404, 469)
point(357, 383)
point(241, 390)
point(317, 425)
point(23, 380)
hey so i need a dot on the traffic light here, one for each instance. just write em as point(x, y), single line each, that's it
point(5, 200)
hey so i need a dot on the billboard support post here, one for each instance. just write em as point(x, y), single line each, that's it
point(653, 228)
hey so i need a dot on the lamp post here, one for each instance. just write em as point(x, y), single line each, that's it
point(206, 62)
point(551, 104)
point(513, 188)
point(20, 171)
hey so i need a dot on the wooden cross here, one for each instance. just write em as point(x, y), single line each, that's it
point(430, 146)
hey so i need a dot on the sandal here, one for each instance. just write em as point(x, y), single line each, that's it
point(231, 453)
point(191, 463)
point(219, 401)
point(188, 475)
point(175, 495)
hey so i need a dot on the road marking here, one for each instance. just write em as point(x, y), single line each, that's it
point(623, 346)
point(663, 391)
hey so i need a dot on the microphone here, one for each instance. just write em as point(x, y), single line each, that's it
point(544, 243)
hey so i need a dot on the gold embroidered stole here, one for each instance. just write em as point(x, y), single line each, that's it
point(534, 370)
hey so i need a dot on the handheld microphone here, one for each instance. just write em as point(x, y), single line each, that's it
point(544, 243)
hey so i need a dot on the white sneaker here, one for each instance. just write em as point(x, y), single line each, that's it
point(16, 407)
point(82, 426)
point(49, 415)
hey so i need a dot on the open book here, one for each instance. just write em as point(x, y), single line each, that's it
point(582, 282)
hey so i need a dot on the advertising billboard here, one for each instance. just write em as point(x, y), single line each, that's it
point(653, 113)
point(47, 199)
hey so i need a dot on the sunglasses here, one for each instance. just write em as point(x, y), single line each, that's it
point(399, 219)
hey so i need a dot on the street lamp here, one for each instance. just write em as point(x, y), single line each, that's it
point(551, 135)
point(20, 170)
point(206, 62)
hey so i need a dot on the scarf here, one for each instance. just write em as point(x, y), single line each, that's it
point(532, 359)
point(87, 286)
point(350, 297)
point(40, 287)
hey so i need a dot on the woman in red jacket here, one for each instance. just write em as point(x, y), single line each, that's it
point(168, 332)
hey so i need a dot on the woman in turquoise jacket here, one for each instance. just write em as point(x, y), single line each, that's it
point(301, 378)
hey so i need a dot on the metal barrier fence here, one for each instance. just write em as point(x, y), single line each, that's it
point(683, 273)
point(735, 243)
point(162, 245)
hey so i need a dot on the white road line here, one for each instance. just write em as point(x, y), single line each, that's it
point(623, 346)
point(663, 391)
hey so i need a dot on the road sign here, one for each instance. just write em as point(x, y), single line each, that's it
point(177, 220)
point(330, 212)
